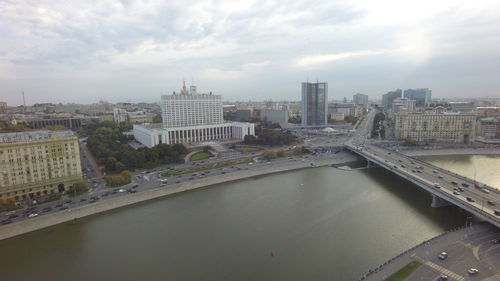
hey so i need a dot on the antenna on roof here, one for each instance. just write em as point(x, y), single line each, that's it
point(24, 103)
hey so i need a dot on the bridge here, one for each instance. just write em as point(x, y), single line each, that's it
point(446, 187)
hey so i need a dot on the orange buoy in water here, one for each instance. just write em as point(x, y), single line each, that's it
point(272, 253)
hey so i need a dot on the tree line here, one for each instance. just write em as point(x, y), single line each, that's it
point(109, 146)
point(270, 137)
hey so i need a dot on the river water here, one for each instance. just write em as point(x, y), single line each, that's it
point(321, 223)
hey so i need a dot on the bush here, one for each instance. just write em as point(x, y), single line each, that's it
point(123, 178)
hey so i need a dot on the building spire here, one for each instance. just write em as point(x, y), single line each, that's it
point(184, 90)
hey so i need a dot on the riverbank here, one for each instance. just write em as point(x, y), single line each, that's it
point(101, 206)
point(466, 247)
point(451, 151)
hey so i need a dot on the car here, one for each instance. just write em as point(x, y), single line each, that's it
point(7, 221)
point(105, 194)
point(454, 183)
point(496, 212)
point(461, 189)
point(456, 192)
point(473, 271)
point(32, 215)
point(443, 256)
point(485, 191)
point(58, 206)
point(135, 186)
point(92, 201)
point(496, 241)
point(83, 200)
point(68, 202)
point(63, 208)
point(434, 171)
point(418, 171)
point(133, 191)
point(440, 177)
point(442, 278)
point(13, 216)
point(437, 185)
point(10, 213)
point(403, 166)
point(490, 203)
point(413, 171)
point(177, 181)
point(201, 177)
point(121, 190)
point(465, 184)
point(470, 199)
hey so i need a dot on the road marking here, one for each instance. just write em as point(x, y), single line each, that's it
point(438, 268)
point(475, 249)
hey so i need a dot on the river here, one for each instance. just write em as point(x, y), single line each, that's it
point(321, 223)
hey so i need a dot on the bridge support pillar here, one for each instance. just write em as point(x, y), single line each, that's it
point(439, 202)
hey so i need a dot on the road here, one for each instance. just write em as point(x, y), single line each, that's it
point(479, 196)
point(151, 180)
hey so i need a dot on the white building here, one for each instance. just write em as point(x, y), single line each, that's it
point(191, 108)
point(191, 117)
point(119, 115)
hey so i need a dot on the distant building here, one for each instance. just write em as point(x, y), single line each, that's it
point(3, 107)
point(488, 111)
point(274, 116)
point(191, 117)
point(489, 128)
point(139, 117)
point(314, 103)
point(68, 123)
point(388, 98)
point(465, 106)
point(38, 163)
point(337, 117)
point(421, 96)
point(360, 99)
point(347, 109)
point(119, 115)
point(243, 113)
point(401, 104)
point(437, 126)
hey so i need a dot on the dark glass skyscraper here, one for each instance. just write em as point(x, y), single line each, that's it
point(314, 103)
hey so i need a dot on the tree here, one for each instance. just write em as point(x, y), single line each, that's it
point(268, 155)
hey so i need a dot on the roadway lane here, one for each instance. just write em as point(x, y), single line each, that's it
point(432, 174)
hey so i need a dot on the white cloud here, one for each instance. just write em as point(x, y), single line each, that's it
point(324, 58)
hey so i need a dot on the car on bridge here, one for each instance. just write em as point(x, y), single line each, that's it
point(437, 185)
point(470, 199)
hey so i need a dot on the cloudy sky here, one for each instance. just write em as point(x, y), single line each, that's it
point(58, 51)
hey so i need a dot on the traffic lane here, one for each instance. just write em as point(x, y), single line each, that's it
point(430, 176)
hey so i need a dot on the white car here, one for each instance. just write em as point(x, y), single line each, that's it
point(32, 215)
point(473, 271)
point(121, 190)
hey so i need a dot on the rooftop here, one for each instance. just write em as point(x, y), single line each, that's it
point(33, 136)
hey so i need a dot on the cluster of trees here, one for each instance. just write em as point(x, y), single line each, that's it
point(268, 155)
point(123, 178)
point(378, 127)
point(109, 146)
point(270, 137)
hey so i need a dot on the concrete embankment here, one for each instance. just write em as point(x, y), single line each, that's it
point(456, 151)
point(44, 221)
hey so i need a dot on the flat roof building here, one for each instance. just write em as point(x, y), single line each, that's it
point(314, 103)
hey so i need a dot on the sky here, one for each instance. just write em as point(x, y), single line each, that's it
point(134, 51)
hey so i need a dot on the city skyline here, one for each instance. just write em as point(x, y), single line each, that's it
point(249, 50)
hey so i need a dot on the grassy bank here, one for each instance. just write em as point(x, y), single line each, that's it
point(404, 272)
point(200, 156)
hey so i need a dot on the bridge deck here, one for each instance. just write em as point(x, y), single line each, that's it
point(485, 198)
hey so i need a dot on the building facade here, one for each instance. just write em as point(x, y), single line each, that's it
point(314, 103)
point(191, 109)
point(489, 128)
point(68, 123)
point(421, 96)
point(191, 117)
point(388, 98)
point(360, 99)
point(274, 116)
point(450, 127)
point(119, 115)
point(462, 106)
point(38, 163)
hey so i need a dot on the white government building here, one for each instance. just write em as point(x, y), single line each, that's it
point(189, 117)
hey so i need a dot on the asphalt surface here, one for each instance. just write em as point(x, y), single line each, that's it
point(467, 248)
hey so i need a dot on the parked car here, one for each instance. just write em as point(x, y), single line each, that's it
point(442, 278)
point(470, 199)
point(32, 215)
